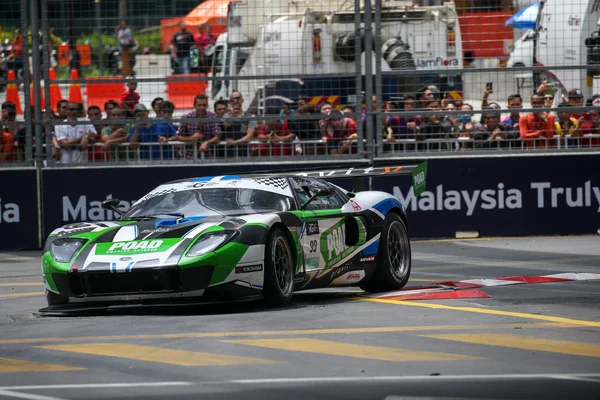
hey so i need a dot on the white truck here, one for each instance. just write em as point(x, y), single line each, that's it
point(562, 30)
point(279, 49)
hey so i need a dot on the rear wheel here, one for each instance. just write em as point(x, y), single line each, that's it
point(393, 258)
point(279, 270)
point(55, 299)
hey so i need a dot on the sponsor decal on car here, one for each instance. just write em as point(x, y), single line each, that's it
point(333, 245)
point(355, 205)
point(157, 230)
point(312, 263)
point(341, 270)
point(352, 276)
point(248, 268)
point(312, 228)
point(135, 247)
point(367, 259)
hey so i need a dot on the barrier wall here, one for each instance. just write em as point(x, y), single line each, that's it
point(503, 196)
point(19, 222)
point(508, 196)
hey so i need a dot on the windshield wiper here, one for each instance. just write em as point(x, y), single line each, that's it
point(143, 217)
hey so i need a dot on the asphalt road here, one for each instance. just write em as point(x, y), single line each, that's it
point(520, 341)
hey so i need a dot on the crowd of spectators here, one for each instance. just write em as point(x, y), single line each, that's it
point(131, 131)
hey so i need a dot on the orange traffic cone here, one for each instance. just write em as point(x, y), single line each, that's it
point(55, 94)
point(32, 98)
point(75, 89)
point(12, 92)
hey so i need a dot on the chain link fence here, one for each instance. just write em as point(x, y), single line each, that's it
point(131, 81)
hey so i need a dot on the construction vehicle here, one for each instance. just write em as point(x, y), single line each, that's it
point(278, 50)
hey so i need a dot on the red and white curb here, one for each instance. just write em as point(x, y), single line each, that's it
point(468, 288)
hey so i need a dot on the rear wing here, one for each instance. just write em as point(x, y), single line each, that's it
point(417, 170)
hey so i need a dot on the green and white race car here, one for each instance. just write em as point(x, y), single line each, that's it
point(231, 237)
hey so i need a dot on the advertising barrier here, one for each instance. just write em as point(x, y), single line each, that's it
point(501, 196)
point(19, 222)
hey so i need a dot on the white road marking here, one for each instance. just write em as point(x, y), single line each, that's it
point(97, 385)
point(413, 378)
point(577, 378)
point(28, 396)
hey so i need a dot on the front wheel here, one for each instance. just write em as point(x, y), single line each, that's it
point(279, 270)
point(393, 258)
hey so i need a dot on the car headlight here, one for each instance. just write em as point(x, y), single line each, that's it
point(210, 242)
point(62, 250)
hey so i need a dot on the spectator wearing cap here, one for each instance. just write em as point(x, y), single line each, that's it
point(340, 133)
point(576, 99)
point(148, 132)
point(130, 98)
point(591, 126)
point(536, 125)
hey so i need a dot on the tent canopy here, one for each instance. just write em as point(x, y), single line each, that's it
point(525, 18)
point(213, 12)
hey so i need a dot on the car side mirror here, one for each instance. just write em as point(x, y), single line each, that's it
point(113, 205)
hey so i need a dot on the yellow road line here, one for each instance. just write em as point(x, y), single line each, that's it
point(487, 311)
point(18, 258)
point(158, 354)
point(330, 331)
point(307, 345)
point(527, 343)
point(15, 284)
point(12, 365)
point(23, 294)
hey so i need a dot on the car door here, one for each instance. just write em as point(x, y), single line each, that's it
point(322, 235)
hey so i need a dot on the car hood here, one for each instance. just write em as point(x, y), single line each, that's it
point(121, 245)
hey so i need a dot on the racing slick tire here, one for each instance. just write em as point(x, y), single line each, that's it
point(393, 257)
point(55, 299)
point(279, 270)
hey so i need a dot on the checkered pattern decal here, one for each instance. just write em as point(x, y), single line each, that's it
point(277, 182)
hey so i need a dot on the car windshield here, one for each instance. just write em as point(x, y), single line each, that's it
point(207, 202)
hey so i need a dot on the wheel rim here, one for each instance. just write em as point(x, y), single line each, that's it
point(282, 260)
point(397, 244)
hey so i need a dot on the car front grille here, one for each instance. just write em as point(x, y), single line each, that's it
point(151, 280)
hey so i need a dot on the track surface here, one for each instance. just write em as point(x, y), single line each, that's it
point(525, 341)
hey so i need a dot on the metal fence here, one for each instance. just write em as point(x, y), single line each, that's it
point(308, 79)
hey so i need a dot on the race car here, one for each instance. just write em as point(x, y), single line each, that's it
point(232, 237)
